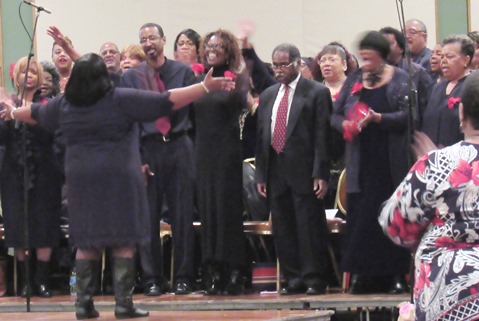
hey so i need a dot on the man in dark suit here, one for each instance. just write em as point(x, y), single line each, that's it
point(416, 36)
point(292, 170)
point(167, 153)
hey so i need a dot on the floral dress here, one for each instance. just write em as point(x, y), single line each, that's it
point(436, 210)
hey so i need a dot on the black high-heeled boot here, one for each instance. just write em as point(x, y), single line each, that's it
point(87, 279)
point(124, 277)
point(22, 291)
point(42, 284)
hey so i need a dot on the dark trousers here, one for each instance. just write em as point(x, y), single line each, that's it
point(173, 181)
point(299, 229)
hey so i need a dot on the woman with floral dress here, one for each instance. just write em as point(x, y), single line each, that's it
point(435, 210)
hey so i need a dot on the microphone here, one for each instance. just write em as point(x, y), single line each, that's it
point(39, 8)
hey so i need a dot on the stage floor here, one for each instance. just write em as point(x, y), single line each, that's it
point(196, 306)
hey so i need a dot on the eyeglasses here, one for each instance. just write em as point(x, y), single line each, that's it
point(215, 46)
point(331, 60)
point(185, 43)
point(151, 39)
point(284, 65)
point(413, 32)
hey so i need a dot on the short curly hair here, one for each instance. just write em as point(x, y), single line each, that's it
point(232, 50)
point(52, 70)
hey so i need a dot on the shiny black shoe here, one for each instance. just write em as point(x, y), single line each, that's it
point(214, 284)
point(213, 275)
point(236, 283)
point(182, 287)
point(293, 288)
point(23, 293)
point(316, 288)
point(44, 291)
point(359, 285)
point(152, 289)
point(398, 285)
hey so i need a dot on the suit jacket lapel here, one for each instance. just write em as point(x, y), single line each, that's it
point(269, 114)
point(296, 107)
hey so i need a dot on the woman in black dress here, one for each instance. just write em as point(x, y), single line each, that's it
point(441, 117)
point(376, 161)
point(219, 170)
point(44, 185)
point(106, 188)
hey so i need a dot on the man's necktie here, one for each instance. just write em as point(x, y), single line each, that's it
point(163, 123)
point(279, 134)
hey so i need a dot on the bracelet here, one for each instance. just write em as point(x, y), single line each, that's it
point(204, 87)
point(12, 116)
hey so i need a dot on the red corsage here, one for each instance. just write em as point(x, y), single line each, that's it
point(453, 101)
point(354, 115)
point(230, 74)
point(198, 69)
point(12, 67)
point(357, 87)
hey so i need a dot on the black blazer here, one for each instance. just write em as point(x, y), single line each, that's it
point(306, 154)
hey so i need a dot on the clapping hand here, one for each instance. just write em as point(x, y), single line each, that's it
point(7, 105)
point(218, 83)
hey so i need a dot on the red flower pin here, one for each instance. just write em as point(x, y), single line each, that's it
point(230, 74)
point(357, 87)
point(451, 102)
point(198, 69)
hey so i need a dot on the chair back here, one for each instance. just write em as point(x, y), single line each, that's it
point(340, 199)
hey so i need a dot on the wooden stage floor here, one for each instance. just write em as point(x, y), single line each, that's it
point(256, 306)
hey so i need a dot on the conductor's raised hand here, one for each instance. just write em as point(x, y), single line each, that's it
point(218, 83)
point(57, 36)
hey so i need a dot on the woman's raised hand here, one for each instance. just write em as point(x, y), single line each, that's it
point(218, 83)
point(57, 36)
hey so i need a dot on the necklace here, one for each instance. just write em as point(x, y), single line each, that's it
point(374, 77)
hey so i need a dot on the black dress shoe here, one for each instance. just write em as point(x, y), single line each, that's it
point(236, 283)
point(44, 291)
point(359, 284)
point(182, 286)
point(23, 293)
point(316, 288)
point(290, 289)
point(398, 285)
point(152, 289)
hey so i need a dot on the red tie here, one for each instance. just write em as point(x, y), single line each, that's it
point(163, 123)
point(279, 134)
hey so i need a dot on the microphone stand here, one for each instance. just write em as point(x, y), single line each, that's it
point(413, 118)
point(23, 129)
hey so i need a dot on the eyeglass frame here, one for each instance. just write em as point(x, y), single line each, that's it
point(414, 32)
point(216, 46)
point(152, 39)
point(283, 66)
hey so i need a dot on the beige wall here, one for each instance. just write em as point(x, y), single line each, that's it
point(309, 24)
point(473, 14)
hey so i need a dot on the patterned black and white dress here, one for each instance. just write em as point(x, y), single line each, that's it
point(436, 210)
